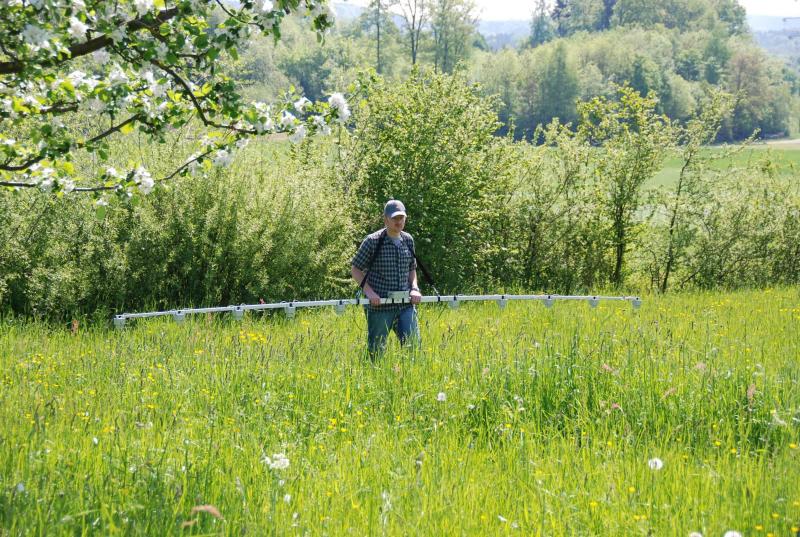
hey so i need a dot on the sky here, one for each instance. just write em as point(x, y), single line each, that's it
point(521, 9)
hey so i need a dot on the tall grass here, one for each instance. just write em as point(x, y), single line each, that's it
point(525, 420)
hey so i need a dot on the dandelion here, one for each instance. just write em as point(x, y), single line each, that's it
point(95, 441)
point(695, 534)
point(20, 487)
point(278, 461)
point(732, 533)
point(655, 463)
point(441, 397)
point(287, 498)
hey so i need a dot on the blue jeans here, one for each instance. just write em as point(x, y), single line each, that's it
point(403, 322)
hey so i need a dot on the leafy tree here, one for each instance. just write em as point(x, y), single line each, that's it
point(415, 14)
point(134, 64)
point(430, 142)
point(634, 140)
point(693, 186)
point(558, 88)
point(541, 25)
point(453, 25)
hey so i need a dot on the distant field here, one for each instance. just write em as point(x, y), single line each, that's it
point(683, 416)
point(786, 154)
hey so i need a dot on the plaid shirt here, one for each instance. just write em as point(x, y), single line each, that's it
point(389, 271)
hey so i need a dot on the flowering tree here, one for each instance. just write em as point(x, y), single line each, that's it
point(136, 64)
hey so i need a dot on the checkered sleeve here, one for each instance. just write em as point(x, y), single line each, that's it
point(364, 253)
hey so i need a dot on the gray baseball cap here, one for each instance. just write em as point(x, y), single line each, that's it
point(394, 208)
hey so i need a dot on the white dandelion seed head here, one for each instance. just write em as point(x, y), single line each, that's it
point(287, 498)
point(441, 397)
point(732, 533)
point(655, 463)
point(695, 534)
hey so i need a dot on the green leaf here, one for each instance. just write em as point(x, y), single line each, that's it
point(100, 212)
point(165, 29)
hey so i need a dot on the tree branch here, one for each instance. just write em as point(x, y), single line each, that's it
point(197, 104)
point(27, 164)
point(92, 45)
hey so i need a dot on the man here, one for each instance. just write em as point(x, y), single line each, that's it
point(385, 264)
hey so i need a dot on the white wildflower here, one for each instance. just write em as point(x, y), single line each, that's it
point(278, 461)
point(655, 463)
point(441, 397)
point(95, 441)
point(77, 29)
point(287, 498)
point(695, 534)
point(732, 533)
point(501, 518)
point(20, 487)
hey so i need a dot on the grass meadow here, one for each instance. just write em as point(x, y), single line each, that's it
point(783, 158)
point(523, 421)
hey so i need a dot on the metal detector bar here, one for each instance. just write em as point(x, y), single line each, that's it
point(289, 308)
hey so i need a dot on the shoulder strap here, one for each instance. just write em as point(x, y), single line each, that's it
point(425, 272)
point(372, 259)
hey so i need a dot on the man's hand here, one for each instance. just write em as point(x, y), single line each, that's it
point(416, 297)
point(374, 298)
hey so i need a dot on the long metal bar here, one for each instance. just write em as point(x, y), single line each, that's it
point(290, 308)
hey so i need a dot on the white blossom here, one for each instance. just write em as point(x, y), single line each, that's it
point(38, 38)
point(287, 120)
point(77, 29)
point(441, 397)
point(142, 178)
point(299, 134)
point(143, 6)
point(263, 5)
point(301, 104)
point(68, 186)
point(101, 56)
point(339, 103)
point(222, 158)
point(322, 127)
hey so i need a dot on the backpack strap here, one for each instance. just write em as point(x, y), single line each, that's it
point(425, 272)
point(372, 259)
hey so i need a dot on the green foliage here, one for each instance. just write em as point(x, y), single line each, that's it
point(253, 231)
point(429, 142)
